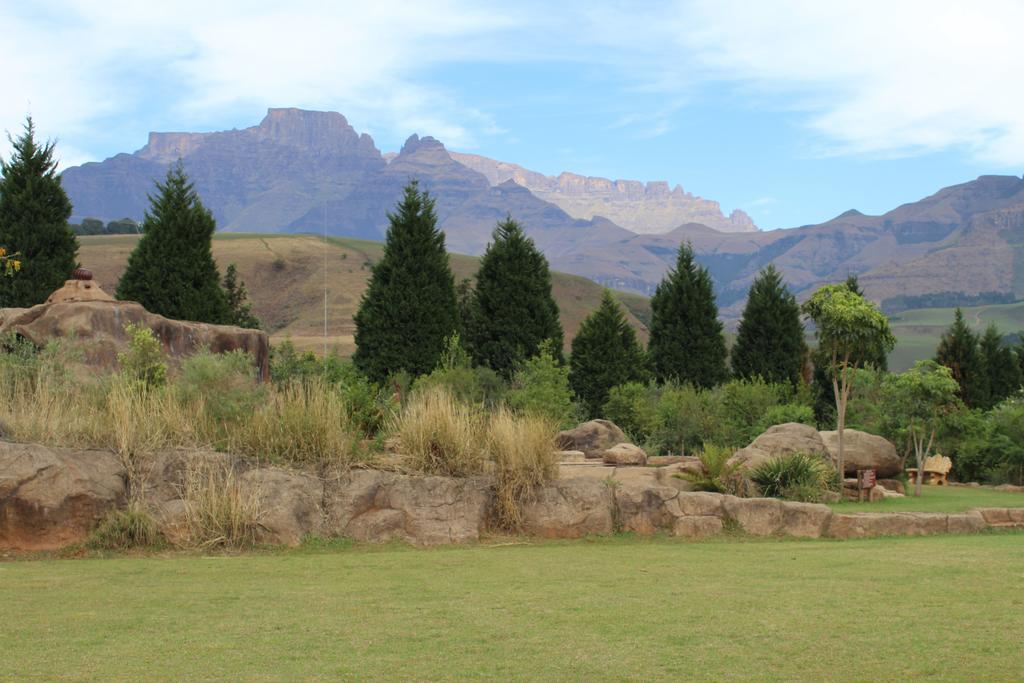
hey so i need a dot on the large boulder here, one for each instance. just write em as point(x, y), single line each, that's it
point(369, 505)
point(53, 497)
point(783, 439)
point(96, 329)
point(593, 438)
point(625, 454)
point(863, 451)
point(289, 504)
point(570, 508)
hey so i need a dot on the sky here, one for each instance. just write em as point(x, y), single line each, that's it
point(791, 110)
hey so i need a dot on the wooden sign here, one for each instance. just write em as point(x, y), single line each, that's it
point(866, 479)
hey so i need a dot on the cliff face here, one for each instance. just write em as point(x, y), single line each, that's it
point(643, 208)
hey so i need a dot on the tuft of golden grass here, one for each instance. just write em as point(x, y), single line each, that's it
point(522, 448)
point(219, 510)
point(440, 435)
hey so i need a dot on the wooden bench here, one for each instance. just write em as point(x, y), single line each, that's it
point(936, 470)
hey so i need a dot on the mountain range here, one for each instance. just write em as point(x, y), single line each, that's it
point(305, 171)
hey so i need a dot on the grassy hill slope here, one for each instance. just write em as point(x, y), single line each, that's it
point(918, 330)
point(287, 275)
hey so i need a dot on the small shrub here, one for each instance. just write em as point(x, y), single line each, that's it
point(633, 408)
point(132, 527)
point(541, 387)
point(787, 412)
point(715, 475)
point(143, 361)
point(224, 383)
point(798, 474)
point(523, 450)
point(440, 435)
point(219, 511)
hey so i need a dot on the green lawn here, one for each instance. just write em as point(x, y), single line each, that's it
point(939, 499)
point(948, 607)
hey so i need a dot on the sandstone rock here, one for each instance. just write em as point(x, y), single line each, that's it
point(378, 506)
point(569, 508)
point(807, 520)
point(700, 504)
point(96, 329)
point(79, 290)
point(966, 523)
point(570, 456)
point(892, 485)
point(887, 524)
point(625, 454)
point(664, 460)
point(53, 497)
point(593, 438)
point(756, 516)
point(643, 509)
point(697, 527)
point(1002, 517)
point(863, 451)
point(784, 439)
point(290, 504)
point(1010, 488)
point(592, 469)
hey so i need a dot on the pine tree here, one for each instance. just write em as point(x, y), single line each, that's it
point(605, 354)
point(34, 212)
point(687, 344)
point(171, 271)
point(409, 308)
point(513, 310)
point(958, 351)
point(1002, 367)
point(770, 340)
point(238, 300)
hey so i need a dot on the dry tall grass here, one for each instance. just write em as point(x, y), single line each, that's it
point(219, 510)
point(522, 449)
point(440, 435)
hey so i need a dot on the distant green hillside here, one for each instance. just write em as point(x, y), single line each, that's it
point(918, 330)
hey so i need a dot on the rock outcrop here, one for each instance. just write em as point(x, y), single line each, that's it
point(96, 328)
point(625, 454)
point(783, 439)
point(863, 451)
point(593, 438)
point(53, 497)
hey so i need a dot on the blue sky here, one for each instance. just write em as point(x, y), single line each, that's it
point(791, 110)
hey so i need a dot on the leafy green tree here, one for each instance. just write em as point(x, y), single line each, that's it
point(849, 329)
point(958, 351)
point(687, 344)
point(171, 271)
point(770, 340)
point(541, 387)
point(238, 300)
point(923, 395)
point(605, 354)
point(409, 308)
point(34, 212)
point(1002, 368)
point(513, 311)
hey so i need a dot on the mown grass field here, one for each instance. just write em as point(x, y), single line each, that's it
point(286, 276)
point(937, 608)
point(918, 331)
point(938, 499)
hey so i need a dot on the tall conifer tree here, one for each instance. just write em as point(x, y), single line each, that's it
point(687, 344)
point(605, 354)
point(409, 308)
point(34, 212)
point(958, 351)
point(172, 271)
point(1002, 367)
point(770, 340)
point(513, 312)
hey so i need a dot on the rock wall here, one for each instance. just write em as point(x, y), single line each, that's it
point(51, 498)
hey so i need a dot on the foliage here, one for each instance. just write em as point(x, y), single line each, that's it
point(144, 360)
point(239, 306)
point(9, 263)
point(958, 351)
point(633, 407)
point(480, 386)
point(797, 476)
point(523, 452)
point(512, 311)
point(540, 388)
point(440, 435)
point(94, 226)
point(715, 474)
point(742, 405)
point(224, 383)
point(1002, 367)
point(409, 308)
point(605, 354)
point(687, 344)
point(34, 212)
point(784, 413)
point(770, 339)
point(132, 527)
point(171, 271)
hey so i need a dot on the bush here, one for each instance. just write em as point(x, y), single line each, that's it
point(440, 435)
point(685, 420)
point(787, 412)
point(144, 360)
point(634, 408)
point(716, 475)
point(799, 475)
point(523, 452)
point(132, 527)
point(741, 406)
point(541, 388)
point(224, 384)
point(478, 386)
